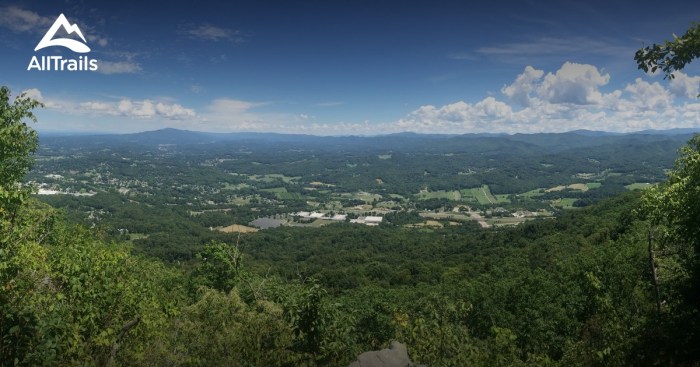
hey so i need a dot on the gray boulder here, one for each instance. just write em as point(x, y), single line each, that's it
point(395, 356)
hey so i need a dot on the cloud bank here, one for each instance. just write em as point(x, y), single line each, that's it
point(576, 96)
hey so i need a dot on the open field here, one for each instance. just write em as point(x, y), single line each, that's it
point(441, 194)
point(450, 216)
point(272, 177)
point(237, 228)
point(483, 195)
point(577, 186)
point(506, 221)
point(428, 223)
point(638, 186)
point(532, 193)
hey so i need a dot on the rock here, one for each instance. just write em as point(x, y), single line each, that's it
point(395, 356)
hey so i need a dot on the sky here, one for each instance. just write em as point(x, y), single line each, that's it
point(353, 67)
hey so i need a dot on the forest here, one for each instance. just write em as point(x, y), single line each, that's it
point(612, 283)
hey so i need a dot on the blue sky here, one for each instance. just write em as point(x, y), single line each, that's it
point(354, 67)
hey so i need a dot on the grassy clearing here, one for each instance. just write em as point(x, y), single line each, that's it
point(638, 186)
point(384, 156)
point(532, 193)
point(238, 200)
point(273, 177)
point(429, 223)
point(506, 221)
point(578, 186)
point(237, 228)
point(483, 195)
point(365, 196)
point(555, 188)
point(449, 216)
point(441, 194)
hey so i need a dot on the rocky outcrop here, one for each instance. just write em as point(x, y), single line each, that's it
point(395, 356)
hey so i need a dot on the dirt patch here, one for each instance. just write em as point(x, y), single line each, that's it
point(237, 228)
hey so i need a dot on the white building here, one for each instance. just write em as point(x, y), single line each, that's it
point(339, 217)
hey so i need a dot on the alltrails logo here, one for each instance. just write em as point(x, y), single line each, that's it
point(46, 63)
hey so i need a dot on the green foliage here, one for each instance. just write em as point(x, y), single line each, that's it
point(221, 329)
point(17, 142)
point(673, 209)
point(72, 299)
point(219, 266)
point(671, 55)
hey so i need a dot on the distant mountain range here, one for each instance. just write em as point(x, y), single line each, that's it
point(551, 142)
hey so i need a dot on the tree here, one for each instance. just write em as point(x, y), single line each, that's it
point(671, 55)
point(17, 142)
point(675, 206)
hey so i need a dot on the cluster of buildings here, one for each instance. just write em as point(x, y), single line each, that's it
point(318, 215)
point(367, 220)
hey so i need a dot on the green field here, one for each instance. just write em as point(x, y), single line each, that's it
point(594, 185)
point(364, 196)
point(273, 177)
point(483, 195)
point(240, 186)
point(441, 194)
point(506, 221)
point(638, 186)
point(532, 193)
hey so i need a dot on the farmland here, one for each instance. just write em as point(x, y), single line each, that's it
point(188, 190)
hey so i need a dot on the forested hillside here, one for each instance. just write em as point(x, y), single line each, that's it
point(614, 283)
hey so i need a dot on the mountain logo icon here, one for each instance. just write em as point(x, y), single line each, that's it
point(74, 45)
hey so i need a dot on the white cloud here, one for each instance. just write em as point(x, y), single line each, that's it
point(523, 86)
point(490, 107)
point(228, 106)
point(213, 33)
point(228, 114)
point(35, 94)
point(683, 85)
point(573, 83)
point(567, 99)
point(553, 47)
point(576, 96)
point(143, 109)
point(19, 20)
point(647, 96)
point(118, 67)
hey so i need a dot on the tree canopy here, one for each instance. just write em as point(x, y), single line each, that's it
point(671, 55)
